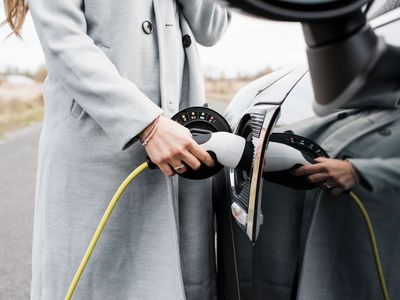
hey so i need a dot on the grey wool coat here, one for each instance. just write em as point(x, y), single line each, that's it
point(314, 246)
point(114, 66)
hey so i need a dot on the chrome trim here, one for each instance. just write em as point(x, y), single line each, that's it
point(263, 118)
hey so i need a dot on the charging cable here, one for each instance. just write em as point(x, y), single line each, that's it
point(143, 167)
point(374, 245)
point(100, 227)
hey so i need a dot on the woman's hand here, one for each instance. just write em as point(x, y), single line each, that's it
point(172, 146)
point(335, 175)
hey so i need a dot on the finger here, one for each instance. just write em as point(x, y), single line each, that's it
point(309, 169)
point(191, 160)
point(321, 159)
point(166, 169)
point(201, 154)
point(178, 166)
point(318, 177)
point(327, 186)
point(336, 191)
point(331, 183)
point(348, 185)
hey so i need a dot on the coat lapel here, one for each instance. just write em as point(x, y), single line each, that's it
point(168, 45)
point(196, 89)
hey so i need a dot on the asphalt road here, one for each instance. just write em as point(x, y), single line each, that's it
point(18, 153)
point(18, 157)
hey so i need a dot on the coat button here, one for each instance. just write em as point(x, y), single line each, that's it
point(385, 132)
point(187, 41)
point(342, 116)
point(147, 27)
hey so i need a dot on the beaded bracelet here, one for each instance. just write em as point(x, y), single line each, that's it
point(154, 127)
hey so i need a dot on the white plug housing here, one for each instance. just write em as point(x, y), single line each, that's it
point(280, 157)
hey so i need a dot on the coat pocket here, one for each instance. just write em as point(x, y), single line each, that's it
point(76, 110)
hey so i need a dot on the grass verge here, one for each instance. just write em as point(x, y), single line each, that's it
point(16, 114)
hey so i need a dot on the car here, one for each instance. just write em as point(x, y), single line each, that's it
point(292, 88)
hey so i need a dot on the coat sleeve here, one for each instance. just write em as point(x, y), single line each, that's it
point(207, 19)
point(378, 174)
point(74, 59)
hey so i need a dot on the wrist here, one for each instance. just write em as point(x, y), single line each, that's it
point(354, 172)
point(145, 131)
point(149, 131)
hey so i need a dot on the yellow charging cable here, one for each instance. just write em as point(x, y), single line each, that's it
point(373, 244)
point(143, 167)
point(100, 227)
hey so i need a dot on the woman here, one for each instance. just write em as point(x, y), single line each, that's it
point(117, 71)
point(315, 245)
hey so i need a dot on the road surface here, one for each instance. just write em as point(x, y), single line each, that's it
point(18, 155)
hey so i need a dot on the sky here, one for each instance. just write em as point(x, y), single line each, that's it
point(249, 46)
point(252, 44)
